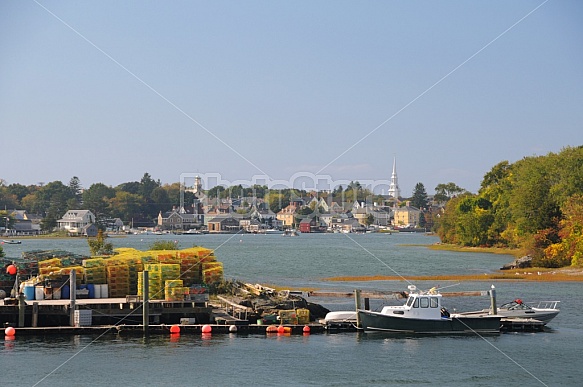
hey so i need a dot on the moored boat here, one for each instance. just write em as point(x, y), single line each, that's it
point(291, 232)
point(544, 312)
point(11, 242)
point(423, 313)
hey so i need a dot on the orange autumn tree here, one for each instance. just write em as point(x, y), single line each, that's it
point(570, 249)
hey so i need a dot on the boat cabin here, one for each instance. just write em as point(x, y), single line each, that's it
point(422, 305)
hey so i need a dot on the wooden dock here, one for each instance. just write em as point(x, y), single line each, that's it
point(105, 311)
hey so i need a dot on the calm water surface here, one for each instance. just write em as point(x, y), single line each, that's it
point(347, 359)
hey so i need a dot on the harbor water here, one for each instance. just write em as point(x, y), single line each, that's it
point(338, 359)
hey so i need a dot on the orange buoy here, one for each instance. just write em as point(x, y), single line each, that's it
point(10, 331)
point(306, 329)
point(281, 329)
point(271, 329)
point(207, 329)
point(175, 329)
point(11, 269)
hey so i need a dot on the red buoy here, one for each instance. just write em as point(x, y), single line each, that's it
point(11, 269)
point(10, 331)
point(175, 329)
point(207, 329)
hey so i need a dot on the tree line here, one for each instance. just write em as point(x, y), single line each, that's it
point(141, 201)
point(534, 204)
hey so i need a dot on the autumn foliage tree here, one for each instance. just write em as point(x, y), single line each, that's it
point(534, 204)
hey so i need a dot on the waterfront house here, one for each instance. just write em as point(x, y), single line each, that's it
point(75, 222)
point(25, 223)
point(406, 216)
point(252, 225)
point(177, 219)
point(287, 214)
point(309, 225)
point(224, 224)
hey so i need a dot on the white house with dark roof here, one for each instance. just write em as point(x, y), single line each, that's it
point(76, 221)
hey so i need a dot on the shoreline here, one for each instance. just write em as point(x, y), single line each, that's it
point(531, 274)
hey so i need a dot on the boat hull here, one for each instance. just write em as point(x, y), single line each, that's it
point(374, 321)
point(543, 316)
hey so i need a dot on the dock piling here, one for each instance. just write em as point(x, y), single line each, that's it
point(21, 310)
point(357, 303)
point(146, 302)
point(493, 308)
point(34, 314)
point(72, 296)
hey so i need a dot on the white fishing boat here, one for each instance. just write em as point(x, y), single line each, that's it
point(423, 313)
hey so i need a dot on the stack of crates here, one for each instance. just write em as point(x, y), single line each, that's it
point(212, 272)
point(174, 290)
point(49, 266)
point(303, 316)
point(95, 272)
point(118, 277)
point(190, 268)
point(158, 274)
point(288, 317)
point(79, 272)
point(135, 267)
point(168, 257)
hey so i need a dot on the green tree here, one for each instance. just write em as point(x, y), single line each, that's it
point(160, 200)
point(96, 199)
point(132, 187)
point(531, 204)
point(76, 192)
point(147, 185)
point(444, 192)
point(419, 199)
point(125, 205)
point(164, 245)
point(18, 191)
point(369, 219)
point(98, 245)
point(276, 200)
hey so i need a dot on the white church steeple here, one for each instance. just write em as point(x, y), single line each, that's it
point(394, 190)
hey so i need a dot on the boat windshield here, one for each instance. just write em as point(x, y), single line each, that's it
point(410, 301)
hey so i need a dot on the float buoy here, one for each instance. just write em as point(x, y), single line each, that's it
point(11, 269)
point(10, 331)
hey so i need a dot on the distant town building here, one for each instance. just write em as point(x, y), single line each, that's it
point(394, 190)
point(406, 216)
point(287, 214)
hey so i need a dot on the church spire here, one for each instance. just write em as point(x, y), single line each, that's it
point(394, 190)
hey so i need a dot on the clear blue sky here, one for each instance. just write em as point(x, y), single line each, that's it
point(108, 90)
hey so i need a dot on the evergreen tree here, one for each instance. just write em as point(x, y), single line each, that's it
point(419, 199)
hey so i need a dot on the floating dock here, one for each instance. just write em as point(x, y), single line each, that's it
point(166, 329)
point(521, 325)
